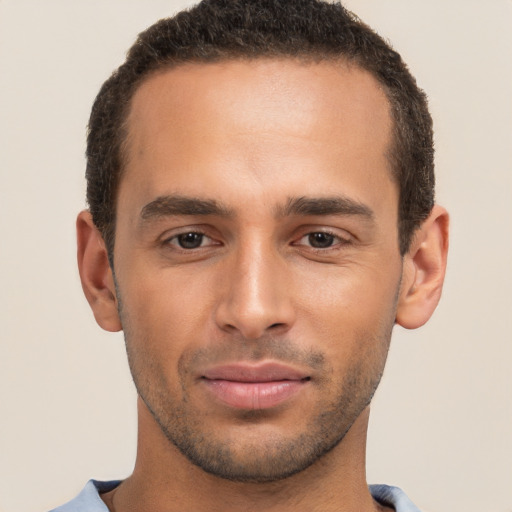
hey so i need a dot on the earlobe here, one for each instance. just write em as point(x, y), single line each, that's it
point(423, 271)
point(96, 274)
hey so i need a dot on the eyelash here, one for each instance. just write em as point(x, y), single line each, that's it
point(336, 240)
point(175, 238)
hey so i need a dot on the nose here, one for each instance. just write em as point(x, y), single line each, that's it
point(257, 294)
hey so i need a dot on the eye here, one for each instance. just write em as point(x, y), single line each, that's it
point(322, 240)
point(190, 240)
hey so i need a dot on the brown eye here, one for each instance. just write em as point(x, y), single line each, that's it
point(190, 240)
point(321, 240)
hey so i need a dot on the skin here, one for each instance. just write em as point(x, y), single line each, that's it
point(245, 154)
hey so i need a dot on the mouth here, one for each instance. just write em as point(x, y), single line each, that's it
point(254, 387)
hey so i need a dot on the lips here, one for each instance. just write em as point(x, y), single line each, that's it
point(246, 386)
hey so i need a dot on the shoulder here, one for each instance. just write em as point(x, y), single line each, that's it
point(89, 499)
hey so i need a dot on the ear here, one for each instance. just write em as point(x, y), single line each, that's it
point(96, 274)
point(423, 271)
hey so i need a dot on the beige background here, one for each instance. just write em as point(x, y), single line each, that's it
point(442, 419)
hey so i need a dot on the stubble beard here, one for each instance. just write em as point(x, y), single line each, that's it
point(258, 460)
point(274, 458)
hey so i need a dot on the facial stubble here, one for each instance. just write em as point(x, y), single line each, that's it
point(250, 458)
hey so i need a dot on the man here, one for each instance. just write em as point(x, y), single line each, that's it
point(261, 193)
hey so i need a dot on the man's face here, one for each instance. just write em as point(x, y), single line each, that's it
point(256, 258)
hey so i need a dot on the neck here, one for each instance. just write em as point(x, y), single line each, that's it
point(165, 480)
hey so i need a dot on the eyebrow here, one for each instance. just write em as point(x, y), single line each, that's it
point(174, 205)
point(335, 205)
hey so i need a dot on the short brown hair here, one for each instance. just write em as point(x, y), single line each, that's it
point(232, 29)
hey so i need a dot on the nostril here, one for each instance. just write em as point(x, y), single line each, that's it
point(273, 326)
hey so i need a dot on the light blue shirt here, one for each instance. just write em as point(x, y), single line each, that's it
point(89, 499)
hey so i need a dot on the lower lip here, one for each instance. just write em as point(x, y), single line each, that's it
point(254, 395)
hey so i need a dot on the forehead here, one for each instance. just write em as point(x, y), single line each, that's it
point(333, 91)
point(259, 121)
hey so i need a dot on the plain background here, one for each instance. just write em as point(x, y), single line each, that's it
point(442, 419)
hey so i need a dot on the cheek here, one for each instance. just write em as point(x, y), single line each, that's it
point(352, 311)
point(355, 293)
point(154, 329)
point(166, 310)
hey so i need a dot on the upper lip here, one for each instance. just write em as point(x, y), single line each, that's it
point(247, 372)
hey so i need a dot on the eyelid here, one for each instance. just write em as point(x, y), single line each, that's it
point(171, 236)
point(173, 240)
point(340, 239)
point(341, 236)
